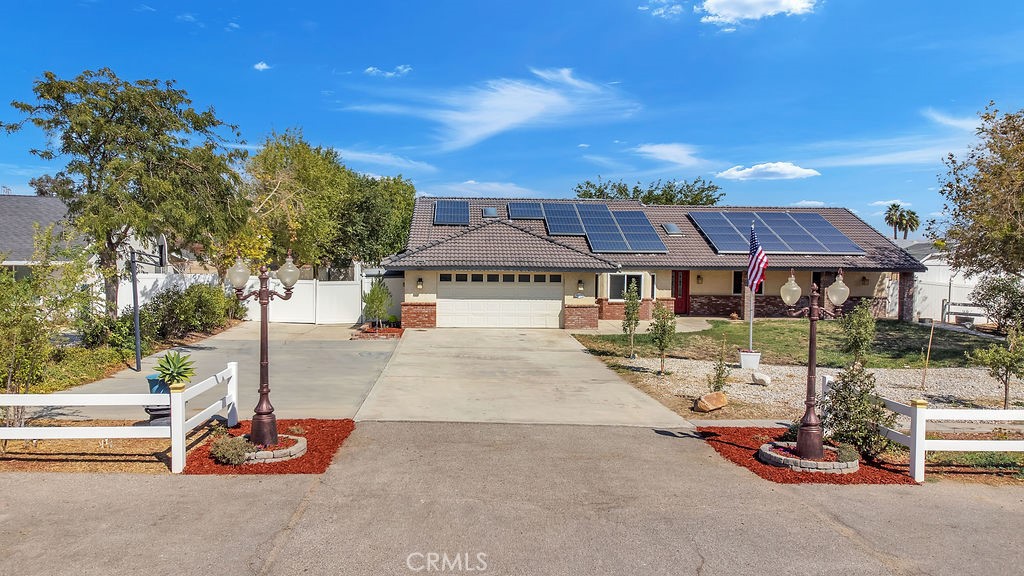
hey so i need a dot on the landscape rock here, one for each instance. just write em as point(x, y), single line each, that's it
point(761, 379)
point(711, 402)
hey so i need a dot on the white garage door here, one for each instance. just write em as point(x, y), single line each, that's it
point(499, 304)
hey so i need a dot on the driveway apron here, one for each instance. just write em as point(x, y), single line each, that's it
point(506, 376)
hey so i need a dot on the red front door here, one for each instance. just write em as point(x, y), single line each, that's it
point(681, 290)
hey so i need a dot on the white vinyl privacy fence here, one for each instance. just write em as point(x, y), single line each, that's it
point(176, 399)
point(920, 415)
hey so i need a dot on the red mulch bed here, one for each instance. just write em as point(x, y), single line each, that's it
point(367, 332)
point(323, 438)
point(740, 445)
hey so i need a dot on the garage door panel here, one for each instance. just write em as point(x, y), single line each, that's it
point(513, 305)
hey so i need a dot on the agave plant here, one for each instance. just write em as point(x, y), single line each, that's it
point(175, 368)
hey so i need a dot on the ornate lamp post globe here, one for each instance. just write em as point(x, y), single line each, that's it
point(264, 423)
point(809, 438)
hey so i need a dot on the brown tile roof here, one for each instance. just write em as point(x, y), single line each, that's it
point(497, 245)
point(687, 251)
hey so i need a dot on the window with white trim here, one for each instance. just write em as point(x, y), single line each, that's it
point(617, 285)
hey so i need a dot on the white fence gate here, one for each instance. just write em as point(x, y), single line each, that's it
point(177, 400)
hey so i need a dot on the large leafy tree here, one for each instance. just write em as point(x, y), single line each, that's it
point(698, 192)
point(378, 215)
point(982, 227)
point(140, 160)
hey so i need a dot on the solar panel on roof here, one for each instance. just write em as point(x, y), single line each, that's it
point(451, 212)
point(638, 232)
point(778, 232)
point(562, 219)
point(525, 211)
point(602, 231)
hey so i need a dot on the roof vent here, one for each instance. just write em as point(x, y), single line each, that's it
point(489, 212)
point(671, 229)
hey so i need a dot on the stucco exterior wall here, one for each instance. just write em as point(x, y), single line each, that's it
point(426, 294)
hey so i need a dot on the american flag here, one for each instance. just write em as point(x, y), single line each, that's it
point(758, 262)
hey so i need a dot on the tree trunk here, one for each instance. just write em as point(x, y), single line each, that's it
point(894, 232)
point(632, 349)
point(905, 232)
point(1006, 394)
point(111, 281)
point(663, 364)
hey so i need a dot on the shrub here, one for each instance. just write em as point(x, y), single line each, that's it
point(631, 315)
point(791, 432)
point(1003, 362)
point(717, 379)
point(847, 453)
point(198, 308)
point(376, 301)
point(662, 331)
point(1002, 298)
point(231, 450)
point(121, 335)
point(852, 414)
point(94, 329)
point(858, 330)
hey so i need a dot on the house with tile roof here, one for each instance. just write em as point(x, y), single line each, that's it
point(493, 262)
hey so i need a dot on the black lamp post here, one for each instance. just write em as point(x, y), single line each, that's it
point(809, 443)
point(264, 423)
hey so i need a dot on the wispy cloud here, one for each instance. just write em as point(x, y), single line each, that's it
point(190, 18)
point(261, 66)
point(470, 115)
point(583, 145)
point(888, 202)
point(731, 12)
point(609, 163)
point(232, 27)
point(768, 171)
point(397, 72)
point(471, 188)
point(384, 159)
point(968, 124)
point(683, 155)
point(897, 151)
point(665, 9)
point(144, 8)
point(808, 204)
point(21, 171)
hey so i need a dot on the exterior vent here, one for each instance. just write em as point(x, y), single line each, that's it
point(671, 229)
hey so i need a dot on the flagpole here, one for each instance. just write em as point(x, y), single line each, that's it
point(753, 300)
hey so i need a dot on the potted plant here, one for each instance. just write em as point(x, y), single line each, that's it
point(173, 368)
point(750, 359)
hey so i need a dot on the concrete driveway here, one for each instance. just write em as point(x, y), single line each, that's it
point(506, 376)
point(315, 372)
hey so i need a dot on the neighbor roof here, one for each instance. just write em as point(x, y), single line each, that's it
point(18, 215)
point(689, 250)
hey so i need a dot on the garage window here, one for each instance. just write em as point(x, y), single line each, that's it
point(446, 277)
point(478, 278)
point(508, 277)
point(461, 277)
point(555, 278)
point(617, 286)
point(492, 277)
point(540, 278)
point(524, 277)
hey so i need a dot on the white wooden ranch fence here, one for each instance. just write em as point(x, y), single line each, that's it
point(920, 415)
point(177, 399)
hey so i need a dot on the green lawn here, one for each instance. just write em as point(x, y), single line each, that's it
point(784, 341)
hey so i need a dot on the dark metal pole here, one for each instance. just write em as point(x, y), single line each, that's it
point(264, 422)
point(135, 312)
point(809, 436)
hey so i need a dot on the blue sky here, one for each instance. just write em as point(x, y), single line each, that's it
point(781, 102)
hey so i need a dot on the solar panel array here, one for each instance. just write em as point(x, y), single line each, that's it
point(563, 220)
point(525, 211)
point(778, 232)
point(637, 230)
point(451, 212)
point(603, 233)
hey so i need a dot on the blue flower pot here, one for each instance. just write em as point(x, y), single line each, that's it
point(156, 385)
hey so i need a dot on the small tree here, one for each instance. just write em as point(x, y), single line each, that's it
point(663, 331)
point(1003, 362)
point(859, 330)
point(1002, 298)
point(852, 412)
point(720, 373)
point(376, 301)
point(631, 315)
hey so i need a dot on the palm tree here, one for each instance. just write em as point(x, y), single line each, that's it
point(909, 222)
point(892, 216)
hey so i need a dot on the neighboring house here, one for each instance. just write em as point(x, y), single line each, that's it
point(566, 263)
point(18, 218)
point(939, 284)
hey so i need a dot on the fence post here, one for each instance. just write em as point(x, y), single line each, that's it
point(918, 426)
point(233, 394)
point(177, 428)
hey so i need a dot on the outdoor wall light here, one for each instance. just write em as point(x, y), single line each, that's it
point(863, 280)
point(419, 283)
point(579, 286)
point(700, 279)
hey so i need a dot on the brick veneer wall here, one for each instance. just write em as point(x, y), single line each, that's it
point(419, 314)
point(707, 305)
point(616, 310)
point(906, 295)
point(578, 317)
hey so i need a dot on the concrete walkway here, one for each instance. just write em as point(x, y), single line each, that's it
point(315, 372)
point(567, 500)
point(508, 376)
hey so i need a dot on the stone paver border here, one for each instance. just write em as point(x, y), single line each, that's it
point(268, 456)
point(768, 456)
